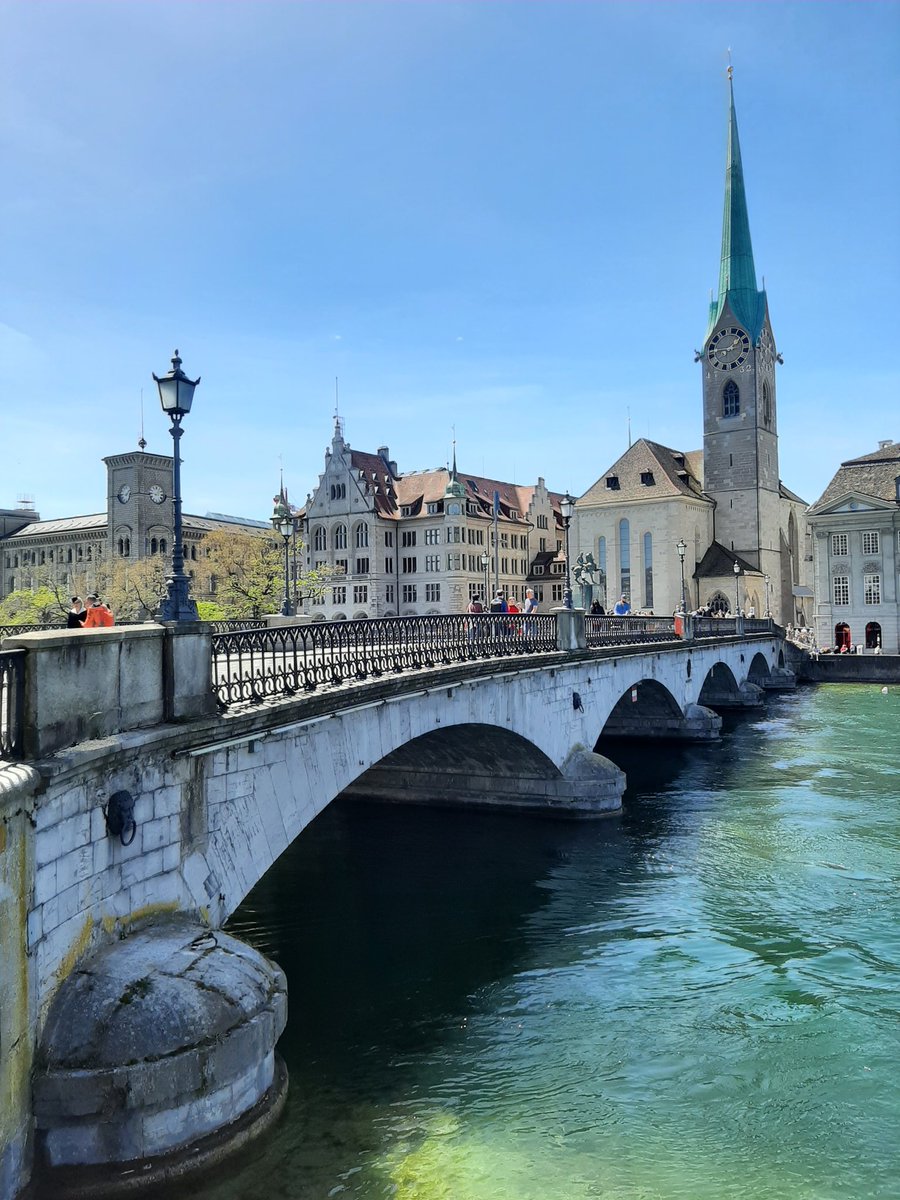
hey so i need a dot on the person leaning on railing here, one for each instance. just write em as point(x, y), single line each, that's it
point(98, 615)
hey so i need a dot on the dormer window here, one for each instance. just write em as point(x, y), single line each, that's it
point(647, 478)
point(612, 482)
point(513, 514)
point(406, 510)
point(435, 507)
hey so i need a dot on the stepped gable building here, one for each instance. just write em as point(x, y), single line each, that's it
point(728, 504)
point(855, 527)
point(137, 524)
point(414, 543)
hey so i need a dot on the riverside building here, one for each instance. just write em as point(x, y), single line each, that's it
point(426, 542)
point(855, 525)
point(725, 503)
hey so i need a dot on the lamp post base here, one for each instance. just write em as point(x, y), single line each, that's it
point(179, 605)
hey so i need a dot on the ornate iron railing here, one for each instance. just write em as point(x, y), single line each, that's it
point(759, 625)
point(626, 631)
point(15, 630)
point(12, 702)
point(707, 627)
point(234, 624)
point(254, 665)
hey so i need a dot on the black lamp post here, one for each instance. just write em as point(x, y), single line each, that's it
point(176, 393)
point(768, 614)
point(567, 509)
point(283, 523)
point(737, 588)
point(681, 547)
point(485, 563)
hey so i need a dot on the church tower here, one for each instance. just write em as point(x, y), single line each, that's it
point(740, 436)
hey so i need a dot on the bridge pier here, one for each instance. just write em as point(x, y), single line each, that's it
point(698, 724)
point(157, 1057)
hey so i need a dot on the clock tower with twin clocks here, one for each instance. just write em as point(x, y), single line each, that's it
point(740, 433)
point(138, 504)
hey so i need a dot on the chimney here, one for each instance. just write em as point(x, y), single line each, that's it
point(885, 443)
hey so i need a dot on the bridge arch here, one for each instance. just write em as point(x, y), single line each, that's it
point(759, 671)
point(644, 705)
point(720, 685)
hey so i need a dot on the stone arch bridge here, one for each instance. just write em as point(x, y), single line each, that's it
point(134, 1030)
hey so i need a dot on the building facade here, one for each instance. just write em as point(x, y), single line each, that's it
point(726, 505)
point(72, 552)
point(425, 542)
point(855, 527)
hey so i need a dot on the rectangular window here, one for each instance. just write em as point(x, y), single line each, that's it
point(475, 589)
point(432, 537)
point(409, 593)
point(339, 595)
point(432, 562)
point(871, 542)
point(341, 564)
point(841, 589)
point(389, 593)
point(542, 545)
point(434, 507)
point(360, 593)
point(455, 533)
point(318, 599)
point(556, 592)
point(454, 562)
point(389, 565)
point(432, 592)
point(362, 566)
point(389, 537)
point(408, 537)
point(872, 589)
point(409, 566)
point(504, 541)
point(542, 521)
point(839, 544)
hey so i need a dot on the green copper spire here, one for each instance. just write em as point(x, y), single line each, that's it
point(737, 274)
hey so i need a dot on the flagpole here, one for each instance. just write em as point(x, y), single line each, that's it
point(496, 542)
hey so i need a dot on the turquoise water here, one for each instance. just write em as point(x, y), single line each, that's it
point(696, 999)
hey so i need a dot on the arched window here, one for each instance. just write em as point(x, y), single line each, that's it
point(731, 399)
point(162, 545)
point(193, 553)
point(154, 546)
point(767, 404)
point(648, 570)
point(320, 538)
point(719, 606)
point(625, 558)
point(340, 537)
point(873, 635)
point(362, 536)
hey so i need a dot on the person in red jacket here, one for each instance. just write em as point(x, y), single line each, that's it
point(98, 615)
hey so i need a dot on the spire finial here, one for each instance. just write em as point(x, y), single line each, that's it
point(142, 441)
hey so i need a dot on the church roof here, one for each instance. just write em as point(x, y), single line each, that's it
point(648, 471)
point(718, 563)
point(737, 272)
point(96, 522)
point(872, 475)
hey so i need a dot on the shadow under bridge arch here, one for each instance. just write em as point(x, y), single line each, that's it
point(647, 709)
point(721, 689)
point(485, 766)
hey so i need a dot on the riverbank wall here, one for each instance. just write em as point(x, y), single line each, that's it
point(843, 668)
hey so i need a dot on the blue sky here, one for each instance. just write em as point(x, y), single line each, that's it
point(503, 217)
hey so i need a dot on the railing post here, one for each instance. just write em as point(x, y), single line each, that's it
point(570, 631)
point(688, 634)
point(739, 624)
point(187, 671)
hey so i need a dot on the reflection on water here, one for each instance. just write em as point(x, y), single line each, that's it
point(695, 999)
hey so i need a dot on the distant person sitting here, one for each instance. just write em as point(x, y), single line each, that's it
point(98, 615)
point(76, 615)
point(622, 608)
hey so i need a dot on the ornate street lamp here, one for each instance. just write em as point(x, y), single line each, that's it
point(176, 394)
point(768, 614)
point(681, 547)
point(737, 588)
point(283, 523)
point(567, 510)
point(485, 563)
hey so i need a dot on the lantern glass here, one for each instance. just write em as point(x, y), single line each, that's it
point(567, 507)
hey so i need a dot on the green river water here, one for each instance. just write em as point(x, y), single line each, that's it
point(697, 998)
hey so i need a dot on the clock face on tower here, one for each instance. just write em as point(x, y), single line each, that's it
point(157, 495)
point(124, 493)
point(728, 349)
